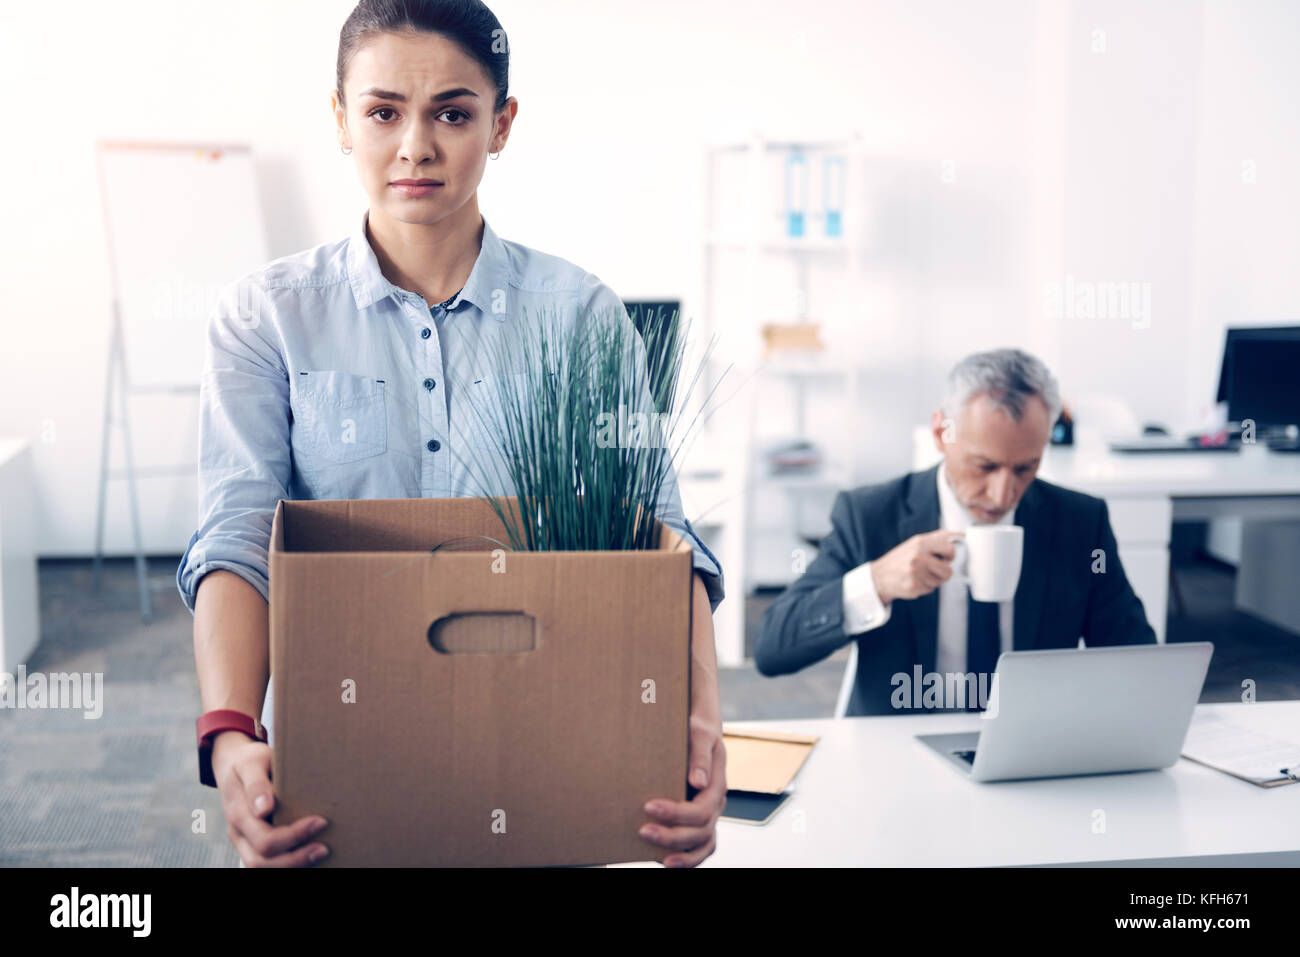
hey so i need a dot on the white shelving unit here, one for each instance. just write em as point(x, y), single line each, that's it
point(814, 488)
point(20, 625)
point(757, 235)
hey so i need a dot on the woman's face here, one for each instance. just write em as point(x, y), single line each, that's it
point(419, 108)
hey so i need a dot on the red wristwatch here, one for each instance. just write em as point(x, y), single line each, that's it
point(212, 724)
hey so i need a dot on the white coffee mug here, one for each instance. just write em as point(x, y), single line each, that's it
point(993, 554)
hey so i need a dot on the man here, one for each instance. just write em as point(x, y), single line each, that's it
point(883, 577)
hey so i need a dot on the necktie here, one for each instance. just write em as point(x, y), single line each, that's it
point(983, 644)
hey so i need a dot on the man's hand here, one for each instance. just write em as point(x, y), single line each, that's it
point(915, 567)
point(688, 827)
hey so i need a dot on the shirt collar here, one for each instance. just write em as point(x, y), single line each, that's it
point(492, 270)
point(952, 514)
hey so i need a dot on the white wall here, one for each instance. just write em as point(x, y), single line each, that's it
point(139, 70)
point(1130, 171)
point(1247, 198)
point(1180, 142)
point(1122, 165)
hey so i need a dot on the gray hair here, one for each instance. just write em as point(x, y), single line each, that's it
point(1008, 377)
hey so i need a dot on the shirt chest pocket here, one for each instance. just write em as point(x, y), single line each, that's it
point(338, 418)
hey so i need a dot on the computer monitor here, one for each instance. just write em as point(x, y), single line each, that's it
point(1267, 333)
point(1262, 382)
point(647, 314)
point(642, 312)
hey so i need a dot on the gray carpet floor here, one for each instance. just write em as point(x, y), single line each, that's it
point(123, 790)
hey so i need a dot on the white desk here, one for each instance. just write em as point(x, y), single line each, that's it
point(870, 794)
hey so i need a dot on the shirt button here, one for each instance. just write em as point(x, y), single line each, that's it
point(429, 384)
point(433, 445)
point(425, 333)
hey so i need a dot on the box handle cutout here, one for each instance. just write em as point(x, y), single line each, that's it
point(484, 632)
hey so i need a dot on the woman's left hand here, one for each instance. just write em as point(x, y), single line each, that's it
point(688, 827)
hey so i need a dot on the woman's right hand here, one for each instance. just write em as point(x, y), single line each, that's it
point(242, 768)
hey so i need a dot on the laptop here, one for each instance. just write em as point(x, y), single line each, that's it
point(1073, 711)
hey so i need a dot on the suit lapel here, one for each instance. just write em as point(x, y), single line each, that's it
point(1032, 515)
point(921, 514)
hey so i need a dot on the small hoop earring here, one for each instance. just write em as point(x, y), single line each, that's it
point(345, 152)
point(496, 155)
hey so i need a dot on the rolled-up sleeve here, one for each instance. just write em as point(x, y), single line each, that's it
point(706, 563)
point(601, 301)
point(244, 452)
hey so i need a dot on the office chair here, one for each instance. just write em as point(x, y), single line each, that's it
point(851, 669)
point(846, 686)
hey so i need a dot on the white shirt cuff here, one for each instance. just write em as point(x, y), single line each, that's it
point(863, 610)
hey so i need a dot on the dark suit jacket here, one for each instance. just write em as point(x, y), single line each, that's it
point(1058, 600)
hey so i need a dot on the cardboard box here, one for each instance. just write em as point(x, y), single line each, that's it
point(783, 338)
point(473, 706)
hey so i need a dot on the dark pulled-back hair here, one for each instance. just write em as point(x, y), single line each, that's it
point(467, 23)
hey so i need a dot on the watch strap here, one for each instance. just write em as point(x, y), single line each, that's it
point(212, 723)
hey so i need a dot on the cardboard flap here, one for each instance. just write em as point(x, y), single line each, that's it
point(277, 528)
point(669, 540)
point(764, 761)
point(387, 525)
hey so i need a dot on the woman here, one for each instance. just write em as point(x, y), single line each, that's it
point(327, 376)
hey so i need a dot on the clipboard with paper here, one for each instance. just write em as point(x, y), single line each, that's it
point(1244, 753)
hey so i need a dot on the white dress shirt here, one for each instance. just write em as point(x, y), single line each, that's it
point(864, 611)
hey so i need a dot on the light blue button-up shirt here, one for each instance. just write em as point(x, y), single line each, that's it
point(323, 380)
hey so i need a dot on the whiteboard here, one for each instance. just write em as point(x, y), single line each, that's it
point(183, 222)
